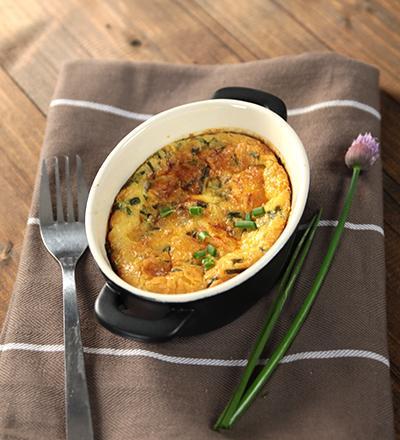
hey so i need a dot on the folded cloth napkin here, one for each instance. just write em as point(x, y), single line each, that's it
point(333, 384)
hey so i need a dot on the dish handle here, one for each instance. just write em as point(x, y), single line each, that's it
point(109, 314)
point(255, 96)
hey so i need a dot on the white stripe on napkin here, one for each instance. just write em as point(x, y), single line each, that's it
point(33, 221)
point(334, 103)
point(348, 225)
point(100, 107)
point(137, 352)
point(353, 226)
point(144, 116)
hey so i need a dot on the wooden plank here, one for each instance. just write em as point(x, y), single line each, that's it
point(345, 27)
point(390, 109)
point(21, 131)
point(367, 30)
point(39, 36)
point(263, 27)
point(34, 45)
point(235, 44)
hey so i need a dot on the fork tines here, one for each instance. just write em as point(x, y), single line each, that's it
point(46, 211)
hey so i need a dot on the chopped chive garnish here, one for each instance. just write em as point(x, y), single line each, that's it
point(246, 224)
point(212, 250)
point(233, 271)
point(200, 254)
point(258, 212)
point(208, 262)
point(134, 201)
point(144, 213)
point(128, 210)
point(164, 212)
point(202, 235)
point(150, 165)
point(196, 210)
point(247, 217)
point(236, 214)
point(211, 281)
point(202, 140)
point(117, 205)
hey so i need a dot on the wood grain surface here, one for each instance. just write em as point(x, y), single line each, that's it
point(36, 37)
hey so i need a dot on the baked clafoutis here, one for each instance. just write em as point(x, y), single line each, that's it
point(198, 212)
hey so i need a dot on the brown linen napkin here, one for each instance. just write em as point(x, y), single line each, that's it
point(334, 384)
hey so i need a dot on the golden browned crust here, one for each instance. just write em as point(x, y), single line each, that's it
point(155, 235)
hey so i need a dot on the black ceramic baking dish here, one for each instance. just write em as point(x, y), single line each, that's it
point(150, 316)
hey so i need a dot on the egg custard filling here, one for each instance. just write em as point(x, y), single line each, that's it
point(198, 212)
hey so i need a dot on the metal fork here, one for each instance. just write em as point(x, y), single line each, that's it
point(65, 238)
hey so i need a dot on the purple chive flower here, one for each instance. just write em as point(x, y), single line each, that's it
point(364, 151)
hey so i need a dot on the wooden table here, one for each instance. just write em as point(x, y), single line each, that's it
point(36, 37)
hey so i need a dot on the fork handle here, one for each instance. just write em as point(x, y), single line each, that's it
point(77, 404)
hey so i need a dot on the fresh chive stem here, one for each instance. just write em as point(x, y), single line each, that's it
point(285, 288)
point(302, 314)
point(247, 217)
point(245, 224)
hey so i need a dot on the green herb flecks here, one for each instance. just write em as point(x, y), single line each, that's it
point(234, 214)
point(208, 262)
point(166, 211)
point(202, 235)
point(202, 141)
point(202, 204)
point(235, 271)
point(150, 165)
point(254, 154)
point(196, 210)
point(212, 250)
point(245, 224)
point(258, 212)
point(134, 201)
point(200, 254)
